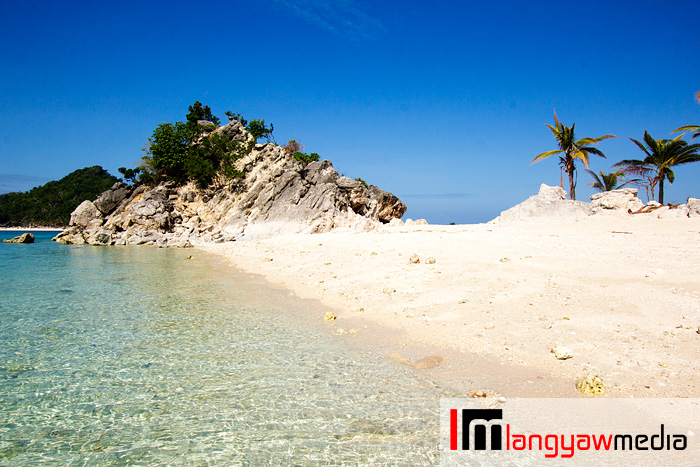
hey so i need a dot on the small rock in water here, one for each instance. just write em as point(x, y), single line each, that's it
point(562, 353)
point(591, 385)
point(24, 238)
point(188, 257)
point(414, 259)
point(329, 316)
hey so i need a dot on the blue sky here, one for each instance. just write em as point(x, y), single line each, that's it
point(441, 103)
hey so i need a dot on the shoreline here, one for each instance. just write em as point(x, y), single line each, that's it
point(30, 229)
point(620, 292)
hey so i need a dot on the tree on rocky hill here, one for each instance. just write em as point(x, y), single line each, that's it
point(197, 112)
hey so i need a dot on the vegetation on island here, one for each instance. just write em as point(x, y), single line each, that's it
point(194, 151)
point(51, 204)
point(660, 156)
point(178, 152)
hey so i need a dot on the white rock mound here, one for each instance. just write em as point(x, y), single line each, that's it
point(549, 204)
point(623, 200)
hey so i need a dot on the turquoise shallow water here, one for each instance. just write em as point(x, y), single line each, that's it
point(137, 356)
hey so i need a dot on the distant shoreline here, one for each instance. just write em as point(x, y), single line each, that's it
point(36, 229)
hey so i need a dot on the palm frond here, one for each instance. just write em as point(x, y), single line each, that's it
point(641, 146)
point(695, 128)
point(602, 138)
point(595, 151)
point(545, 155)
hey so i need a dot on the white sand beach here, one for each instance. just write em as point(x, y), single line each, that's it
point(622, 293)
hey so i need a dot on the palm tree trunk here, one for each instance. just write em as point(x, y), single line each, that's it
point(572, 187)
point(661, 191)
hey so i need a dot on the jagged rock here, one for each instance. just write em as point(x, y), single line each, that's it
point(549, 204)
point(84, 213)
point(551, 193)
point(384, 205)
point(693, 207)
point(110, 199)
point(71, 236)
point(152, 210)
point(624, 200)
point(24, 238)
point(100, 237)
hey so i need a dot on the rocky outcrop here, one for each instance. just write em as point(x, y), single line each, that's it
point(623, 200)
point(549, 204)
point(24, 238)
point(110, 199)
point(277, 195)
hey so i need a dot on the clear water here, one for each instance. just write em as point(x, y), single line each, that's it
point(137, 356)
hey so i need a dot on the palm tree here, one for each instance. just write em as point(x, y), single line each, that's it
point(661, 156)
point(570, 150)
point(610, 181)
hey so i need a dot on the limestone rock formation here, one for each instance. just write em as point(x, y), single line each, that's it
point(24, 238)
point(277, 195)
point(549, 204)
point(85, 213)
point(110, 199)
point(624, 200)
